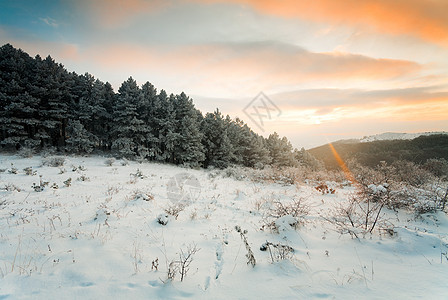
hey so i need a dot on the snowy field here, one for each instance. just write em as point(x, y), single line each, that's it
point(99, 235)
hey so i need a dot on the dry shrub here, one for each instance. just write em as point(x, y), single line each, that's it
point(175, 208)
point(53, 161)
point(293, 212)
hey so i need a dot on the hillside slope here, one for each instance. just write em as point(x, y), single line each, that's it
point(387, 136)
point(418, 150)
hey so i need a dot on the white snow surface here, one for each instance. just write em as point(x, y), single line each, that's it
point(98, 239)
point(397, 136)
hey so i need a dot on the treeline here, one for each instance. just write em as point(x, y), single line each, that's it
point(419, 151)
point(45, 106)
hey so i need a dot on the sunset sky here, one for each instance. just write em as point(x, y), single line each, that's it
point(335, 69)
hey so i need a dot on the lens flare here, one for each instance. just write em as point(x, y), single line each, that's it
point(342, 164)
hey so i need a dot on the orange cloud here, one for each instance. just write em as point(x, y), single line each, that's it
point(425, 19)
point(250, 66)
point(413, 112)
point(329, 105)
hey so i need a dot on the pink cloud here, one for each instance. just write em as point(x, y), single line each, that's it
point(425, 19)
point(252, 66)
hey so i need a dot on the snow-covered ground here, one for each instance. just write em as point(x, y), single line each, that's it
point(99, 237)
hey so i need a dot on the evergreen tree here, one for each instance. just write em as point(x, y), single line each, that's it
point(258, 154)
point(129, 132)
point(79, 140)
point(236, 136)
point(168, 135)
point(188, 149)
point(109, 103)
point(52, 88)
point(149, 105)
point(280, 150)
point(83, 100)
point(306, 159)
point(248, 148)
point(217, 146)
point(18, 120)
point(161, 126)
point(18, 109)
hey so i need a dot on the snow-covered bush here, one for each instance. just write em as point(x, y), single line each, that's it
point(430, 198)
point(410, 173)
point(53, 161)
point(25, 152)
point(285, 215)
point(11, 187)
point(185, 259)
point(213, 173)
point(48, 152)
point(68, 182)
point(402, 185)
point(29, 171)
point(319, 175)
point(175, 208)
point(138, 174)
point(181, 265)
point(358, 217)
point(137, 196)
point(235, 172)
point(250, 254)
point(41, 186)
point(13, 170)
point(277, 252)
point(83, 177)
point(285, 175)
point(109, 161)
point(437, 167)
point(133, 177)
point(163, 219)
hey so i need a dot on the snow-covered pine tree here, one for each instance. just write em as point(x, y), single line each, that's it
point(52, 84)
point(147, 109)
point(167, 125)
point(235, 134)
point(18, 109)
point(102, 96)
point(18, 121)
point(129, 132)
point(306, 159)
point(258, 152)
point(89, 101)
point(163, 113)
point(83, 100)
point(280, 150)
point(217, 146)
point(109, 102)
point(79, 140)
point(188, 149)
point(248, 148)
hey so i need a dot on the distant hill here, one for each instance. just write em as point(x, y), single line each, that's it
point(370, 153)
point(397, 136)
